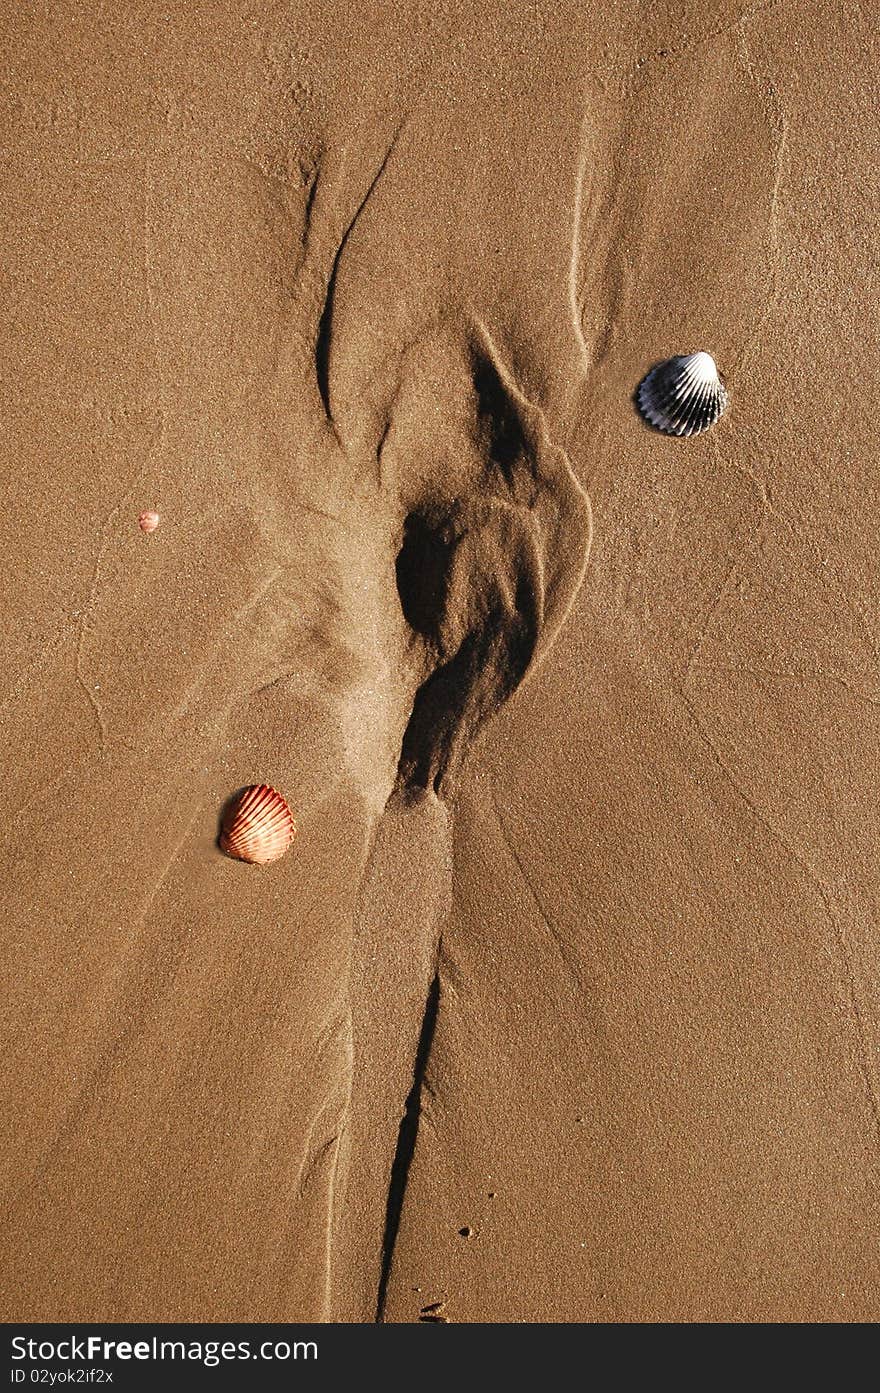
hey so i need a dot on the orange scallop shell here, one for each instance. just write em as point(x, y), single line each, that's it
point(258, 827)
point(149, 521)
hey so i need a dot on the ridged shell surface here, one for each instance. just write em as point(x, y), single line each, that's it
point(684, 395)
point(258, 827)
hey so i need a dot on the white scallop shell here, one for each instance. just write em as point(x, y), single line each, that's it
point(683, 395)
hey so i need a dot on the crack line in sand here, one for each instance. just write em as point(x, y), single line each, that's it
point(108, 994)
point(571, 963)
point(777, 122)
point(155, 452)
point(844, 954)
point(322, 345)
point(89, 605)
point(794, 675)
point(333, 1180)
point(574, 263)
point(406, 1139)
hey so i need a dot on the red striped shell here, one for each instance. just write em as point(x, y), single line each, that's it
point(149, 521)
point(258, 827)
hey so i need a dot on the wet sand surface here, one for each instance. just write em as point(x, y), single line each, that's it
point(564, 1005)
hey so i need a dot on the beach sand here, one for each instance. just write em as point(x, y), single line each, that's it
point(564, 1005)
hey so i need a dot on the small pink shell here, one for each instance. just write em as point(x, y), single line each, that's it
point(258, 827)
point(148, 522)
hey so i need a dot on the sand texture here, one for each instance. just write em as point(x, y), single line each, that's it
point(565, 1003)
